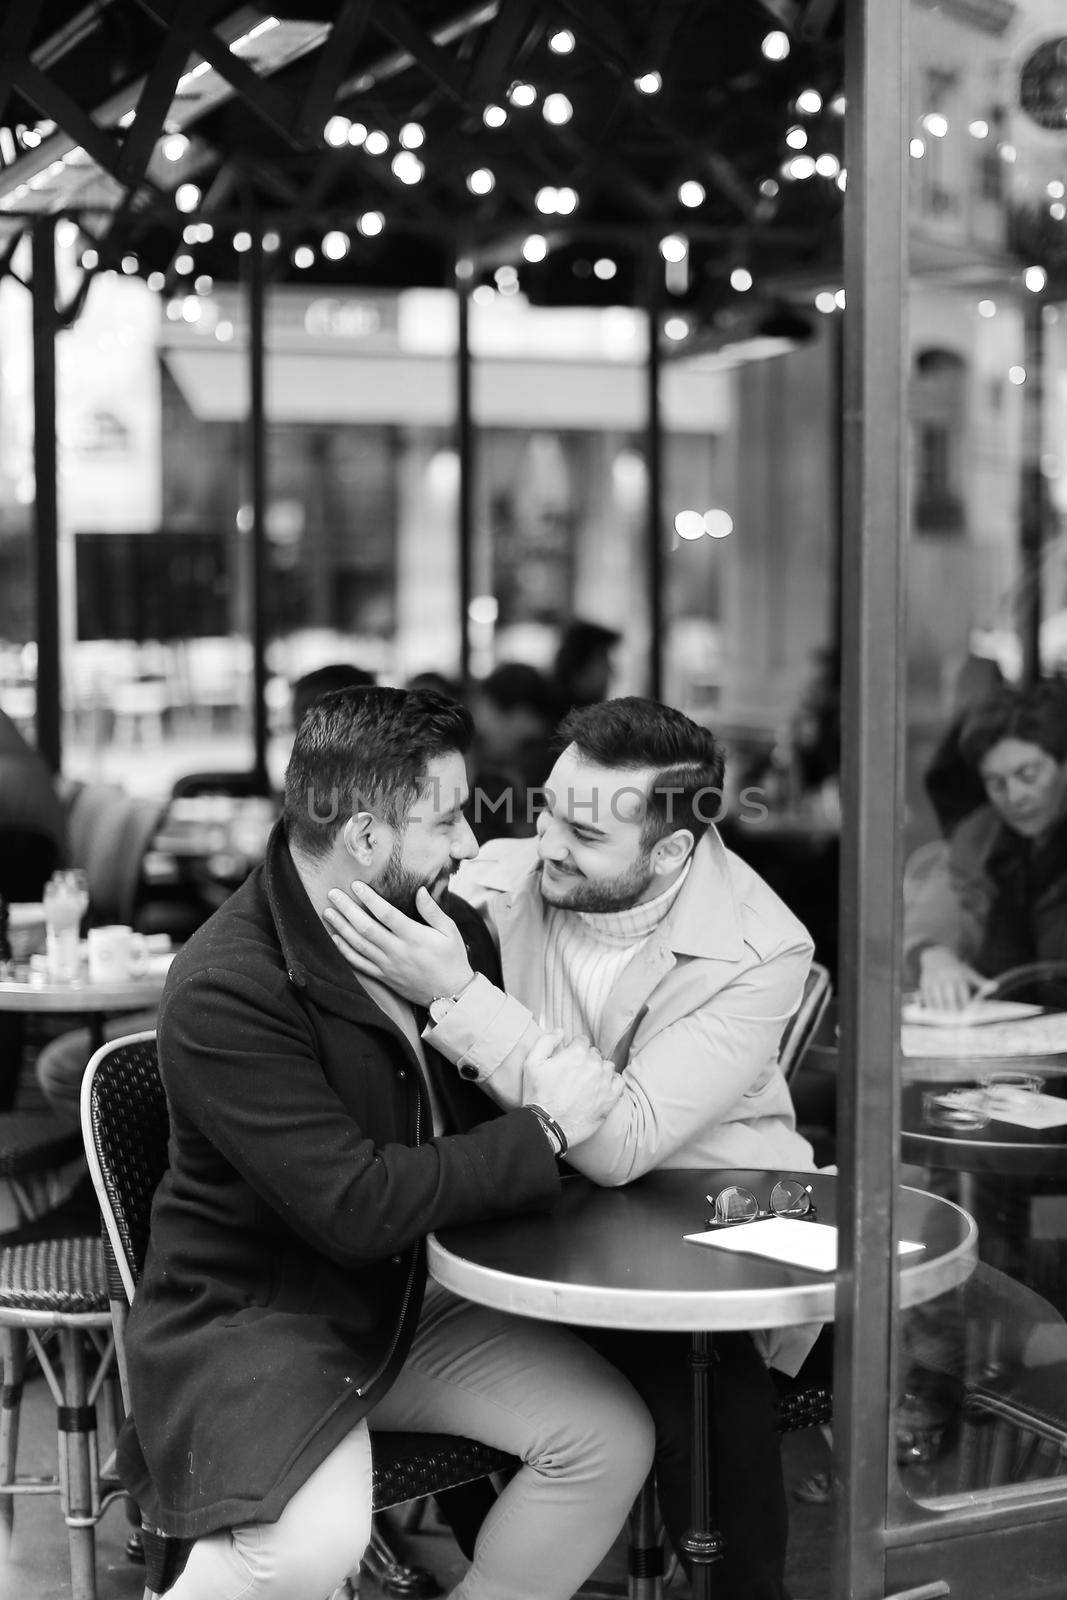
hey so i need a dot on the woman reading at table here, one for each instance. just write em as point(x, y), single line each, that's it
point(998, 900)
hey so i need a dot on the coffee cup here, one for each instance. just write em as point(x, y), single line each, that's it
point(116, 954)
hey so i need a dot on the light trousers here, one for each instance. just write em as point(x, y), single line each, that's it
point(532, 1389)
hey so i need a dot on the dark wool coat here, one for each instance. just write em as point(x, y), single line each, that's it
point(286, 1266)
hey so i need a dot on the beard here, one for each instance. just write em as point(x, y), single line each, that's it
point(573, 892)
point(399, 885)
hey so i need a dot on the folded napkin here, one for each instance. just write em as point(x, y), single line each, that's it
point(788, 1239)
point(1024, 1109)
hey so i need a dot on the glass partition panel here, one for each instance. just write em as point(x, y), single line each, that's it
point(980, 1412)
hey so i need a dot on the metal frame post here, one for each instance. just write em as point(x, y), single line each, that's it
point(257, 466)
point(46, 495)
point(873, 654)
point(465, 452)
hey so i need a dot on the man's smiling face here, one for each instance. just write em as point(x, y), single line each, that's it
point(590, 840)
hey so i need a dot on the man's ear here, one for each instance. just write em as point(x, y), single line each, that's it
point(672, 852)
point(359, 837)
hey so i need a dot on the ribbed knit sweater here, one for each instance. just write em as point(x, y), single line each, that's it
point(586, 954)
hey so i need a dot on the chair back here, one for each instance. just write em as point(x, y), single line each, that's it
point(125, 1128)
point(803, 1024)
point(109, 834)
point(1040, 982)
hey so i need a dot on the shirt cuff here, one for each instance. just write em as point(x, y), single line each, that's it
point(480, 1031)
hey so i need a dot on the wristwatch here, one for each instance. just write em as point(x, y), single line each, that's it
point(442, 1004)
point(552, 1130)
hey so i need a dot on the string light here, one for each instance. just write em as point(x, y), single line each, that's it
point(801, 167)
point(242, 241)
point(809, 102)
point(557, 109)
point(827, 165)
point(272, 241)
point(825, 302)
point(535, 247)
point(674, 247)
point(604, 269)
point(174, 146)
point(494, 116)
point(371, 223)
point(562, 42)
point(917, 149)
point(935, 124)
point(1035, 279)
point(839, 299)
point(129, 265)
point(187, 197)
point(66, 234)
point(718, 524)
point(741, 280)
point(691, 193)
point(1016, 375)
point(184, 265)
point(303, 256)
point(796, 138)
point(357, 134)
point(522, 94)
point(90, 259)
point(775, 46)
point(376, 142)
point(335, 245)
point(1055, 190)
point(481, 181)
point(649, 83)
point(566, 200)
point(412, 135)
point(979, 128)
point(407, 168)
point(987, 308)
point(155, 281)
point(546, 199)
point(203, 284)
point(336, 130)
point(688, 524)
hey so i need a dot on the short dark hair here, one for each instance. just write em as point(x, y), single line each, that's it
point(365, 749)
point(1037, 715)
point(687, 760)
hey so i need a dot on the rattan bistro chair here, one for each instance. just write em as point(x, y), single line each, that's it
point(57, 1285)
point(125, 1125)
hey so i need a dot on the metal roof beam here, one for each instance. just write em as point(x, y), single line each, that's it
point(330, 67)
point(14, 37)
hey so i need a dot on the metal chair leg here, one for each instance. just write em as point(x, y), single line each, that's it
point(15, 1346)
point(391, 1574)
point(78, 1466)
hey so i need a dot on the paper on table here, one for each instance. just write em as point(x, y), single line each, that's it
point(975, 1014)
point(1045, 1035)
point(788, 1239)
point(1026, 1110)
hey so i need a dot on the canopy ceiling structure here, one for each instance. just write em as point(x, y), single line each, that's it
point(677, 152)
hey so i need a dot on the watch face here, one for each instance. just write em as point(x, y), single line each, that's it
point(1043, 84)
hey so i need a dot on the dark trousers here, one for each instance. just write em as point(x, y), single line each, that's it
point(751, 1502)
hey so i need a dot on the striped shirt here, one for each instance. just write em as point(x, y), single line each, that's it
point(586, 954)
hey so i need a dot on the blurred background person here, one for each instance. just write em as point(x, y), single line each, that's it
point(32, 829)
point(998, 899)
point(953, 784)
point(583, 668)
point(514, 718)
point(326, 680)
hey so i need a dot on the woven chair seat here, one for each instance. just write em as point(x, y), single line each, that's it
point(34, 1141)
point(809, 1406)
point(408, 1466)
point(63, 1276)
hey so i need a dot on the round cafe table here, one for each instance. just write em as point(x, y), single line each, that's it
point(40, 996)
point(1003, 1148)
point(617, 1258)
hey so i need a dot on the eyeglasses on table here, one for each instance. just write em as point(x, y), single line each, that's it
point(734, 1205)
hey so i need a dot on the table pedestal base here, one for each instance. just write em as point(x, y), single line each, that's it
point(702, 1545)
